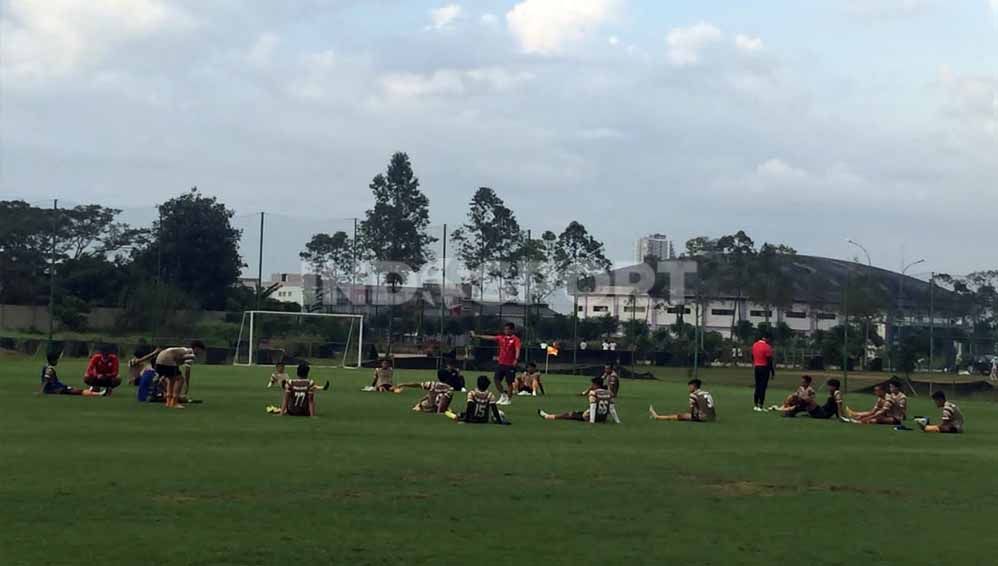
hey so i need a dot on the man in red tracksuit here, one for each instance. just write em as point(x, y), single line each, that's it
point(102, 371)
point(509, 355)
point(762, 362)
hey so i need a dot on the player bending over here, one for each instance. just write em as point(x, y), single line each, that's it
point(52, 386)
point(529, 382)
point(437, 399)
point(174, 365)
point(798, 401)
point(601, 407)
point(384, 377)
point(143, 375)
point(481, 407)
point(299, 393)
point(279, 376)
point(952, 419)
point(702, 408)
point(882, 413)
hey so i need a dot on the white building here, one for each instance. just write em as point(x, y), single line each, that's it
point(291, 287)
point(655, 245)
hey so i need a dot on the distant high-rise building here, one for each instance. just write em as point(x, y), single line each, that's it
point(656, 245)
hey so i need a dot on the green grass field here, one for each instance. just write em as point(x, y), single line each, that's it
point(110, 481)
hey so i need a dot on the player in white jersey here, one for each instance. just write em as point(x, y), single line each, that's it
point(701, 408)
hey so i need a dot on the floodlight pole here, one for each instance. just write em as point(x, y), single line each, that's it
point(904, 272)
point(443, 299)
point(845, 334)
point(259, 268)
point(869, 263)
point(932, 318)
point(55, 209)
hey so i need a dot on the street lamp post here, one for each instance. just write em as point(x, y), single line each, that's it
point(866, 321)
point(904, 272)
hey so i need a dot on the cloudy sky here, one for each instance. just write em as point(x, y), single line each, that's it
point(800, 122)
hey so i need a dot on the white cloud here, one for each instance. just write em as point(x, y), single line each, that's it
point(994, 9)
point(748, 44)
point(547, 26)
point(778, 169)
point(971, 100)
point(451, 82)
point(685, 44)
point(613, 40)
point(54, 38)
point(489, 19)
point(262, 50)
point(444, 17)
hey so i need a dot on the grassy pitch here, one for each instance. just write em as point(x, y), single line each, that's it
point(111, 481)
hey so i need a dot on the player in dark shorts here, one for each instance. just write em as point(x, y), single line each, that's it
point(834, 407)
point(52, 386)
point(481, 407)
point(299, 393)
point(509, 355)
point(601, 407)
point(450, 375)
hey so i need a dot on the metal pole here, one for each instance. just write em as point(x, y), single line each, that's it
point(575, 331)
point(252, 337)
point(845, 335)
point(696, 341)
point(55, 227)
point(353, 267)
point(526, 305)
point(932, 318)
point(259, 267)
point(866, 340)
point(443, 290)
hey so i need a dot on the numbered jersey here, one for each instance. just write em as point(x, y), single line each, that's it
point(480, 405)
point(299, 391)
point(600, 401)
point(702, 406)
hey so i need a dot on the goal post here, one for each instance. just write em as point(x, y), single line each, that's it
point(266, 337)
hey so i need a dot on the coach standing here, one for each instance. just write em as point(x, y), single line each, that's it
point(762, 361)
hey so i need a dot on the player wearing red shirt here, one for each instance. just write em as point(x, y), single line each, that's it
point(762, 361)
point(102, 371)
point(509, 355)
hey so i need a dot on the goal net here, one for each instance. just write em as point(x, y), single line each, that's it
point(324, 339)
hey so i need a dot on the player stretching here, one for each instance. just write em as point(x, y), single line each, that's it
point(702, 408)
point(437, 399)
point(601, 407)
point(884, 412)
point(384, 377)
point(52, 386)
point(481, 407)
point(899, 399)
point(509, 356)
point(529, 382)
point(800, 400)
point(833, 407)
point(299, 393)
point(279, 376)
point(952, 419)
point(174, 365)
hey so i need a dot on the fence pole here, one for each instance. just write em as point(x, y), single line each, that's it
point(259, 267)
point(526, 305)
point(443, 298)
point(353, 268)
point(845, 334)
point(55, 227)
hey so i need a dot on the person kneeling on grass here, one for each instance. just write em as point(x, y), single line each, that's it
point(174, 366)
point(952, 419)
point(799, 401)
point(102, 371)
point(299, 394)
point(481, 408)
point(601, 407)
point(52, 386)
point(702, 408)
point(882, 413)
point(144, 376)
point(437, 399)
point(529, 382)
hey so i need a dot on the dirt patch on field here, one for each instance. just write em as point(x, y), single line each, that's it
point(745, 488)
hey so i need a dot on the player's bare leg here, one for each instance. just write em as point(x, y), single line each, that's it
point(657, 417)
point(311, 406)
point(178, 386)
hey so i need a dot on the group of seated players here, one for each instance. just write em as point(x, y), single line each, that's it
point(161, 375)
point(890, 407)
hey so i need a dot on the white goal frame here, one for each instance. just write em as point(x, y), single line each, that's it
point(252, 318)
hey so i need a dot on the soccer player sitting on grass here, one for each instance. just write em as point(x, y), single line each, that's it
point(450, 375)
point(481, 407)
point(833, 407)
point(102, 370)
point(299, 393)
point(437, 399)
point(174, 366)
point(384, 377)
point(529, 382)
point(52, 386)
point(279, 376)
point(882, 413)
point(899, 399)
point(601, 407)
point(799, 401)
point(702, 408)
point(952, 419)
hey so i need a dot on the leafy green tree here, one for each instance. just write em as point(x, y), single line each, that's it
point(330, 257)
point(393, 232)
point(490, 243)
point(196, 249)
